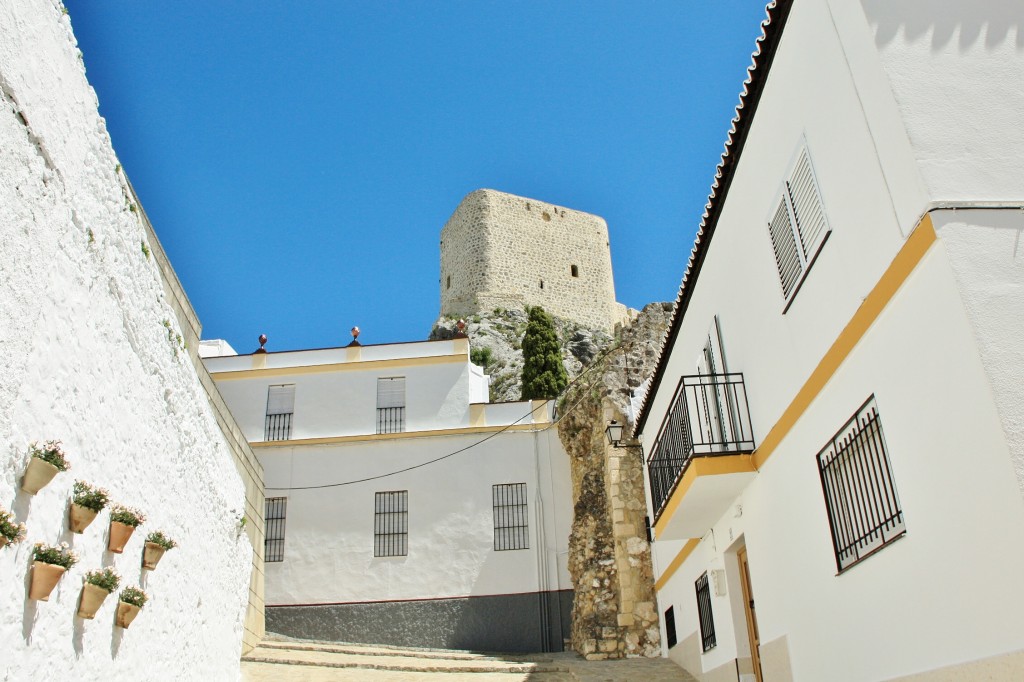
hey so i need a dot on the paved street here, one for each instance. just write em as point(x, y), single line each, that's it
point(308, 661)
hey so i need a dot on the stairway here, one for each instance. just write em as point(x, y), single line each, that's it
point(281, 659)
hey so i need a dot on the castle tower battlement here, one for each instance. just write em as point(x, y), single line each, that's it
point(499, 250)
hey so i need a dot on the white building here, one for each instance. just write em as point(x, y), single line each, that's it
point(835, 429)
point(402, 508)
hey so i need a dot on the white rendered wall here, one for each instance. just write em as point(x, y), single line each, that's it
point(328, 553)
point(956, 69)
point(87, 359)
point(938, 596)
point(985, 252)
point(343, 401)
point(812, 101)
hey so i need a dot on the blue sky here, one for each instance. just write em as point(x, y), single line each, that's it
point(298, 159)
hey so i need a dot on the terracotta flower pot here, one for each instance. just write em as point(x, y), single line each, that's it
point(91, 600)
point(120, 534)
point(3, 542)
point(44, 578)
point(81, 517)
point(126, 613)
point(38, 474)
point(151, 555)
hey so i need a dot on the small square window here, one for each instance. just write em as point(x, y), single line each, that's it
point(670, 627)
point(707, 619)
point(797, 226)
point(860, 496)
point(280, 407)
point(273, 543)
point(391, 405)
point(391, 523)
point(511, 526)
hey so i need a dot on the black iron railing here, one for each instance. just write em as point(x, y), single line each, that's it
point(278, 427)
point(709, 416)
point(390, 419)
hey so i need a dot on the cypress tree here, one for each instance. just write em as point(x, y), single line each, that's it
point(544, 375)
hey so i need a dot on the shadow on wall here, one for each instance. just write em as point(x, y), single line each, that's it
point(966, 22)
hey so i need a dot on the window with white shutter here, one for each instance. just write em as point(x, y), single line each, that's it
point(797, 226)
point(280, 407)
point(390, 404)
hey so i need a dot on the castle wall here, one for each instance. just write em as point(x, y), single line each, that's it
point(503, 251)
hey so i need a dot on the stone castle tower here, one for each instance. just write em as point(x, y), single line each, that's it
point(503, 251)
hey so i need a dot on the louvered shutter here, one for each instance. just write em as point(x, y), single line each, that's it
point(281, 399)
point(807, 208)
point(787, 255)
point(390, 392)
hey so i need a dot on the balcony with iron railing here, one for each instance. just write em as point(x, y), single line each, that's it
point(278, 427)
point(705, 433)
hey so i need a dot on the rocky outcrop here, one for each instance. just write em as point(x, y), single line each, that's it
point(615, 612)
point(495, 342)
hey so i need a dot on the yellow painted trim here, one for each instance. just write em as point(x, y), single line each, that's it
point(905, 262)
point(702, 466)
point(396, 363)
point(901, 267)
point(329, 440)
point(477, 414)
point(683, 555)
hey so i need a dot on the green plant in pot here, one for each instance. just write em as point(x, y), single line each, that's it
point(86, 502)
point(123, 522)
point(131, 602)
point(156, 544)
point(98, 584)
point(49, 564)
point(45, 462)
point(11, 533)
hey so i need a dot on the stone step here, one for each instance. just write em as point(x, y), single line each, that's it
point(392, 660)
point(388, 650)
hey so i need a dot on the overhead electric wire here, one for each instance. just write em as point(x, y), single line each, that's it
point(502, 430)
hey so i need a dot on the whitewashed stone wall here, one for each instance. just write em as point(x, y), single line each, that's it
point(87, 357)
point(503, 251)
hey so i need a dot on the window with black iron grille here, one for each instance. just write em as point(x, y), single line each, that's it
point(391, 523)
point(280, 406)
point(797, 225)
point(707, 620)
point(390, 404)
point(511, 528)
point(860, 496)
point(274, 542)
point(670, 627)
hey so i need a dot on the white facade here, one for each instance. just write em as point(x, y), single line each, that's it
point(90, 356)
point(913, 297)
point(446, 452)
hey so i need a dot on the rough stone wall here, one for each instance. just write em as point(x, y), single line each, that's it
point(615, 612)
point(503, 251)
point(91, 355)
